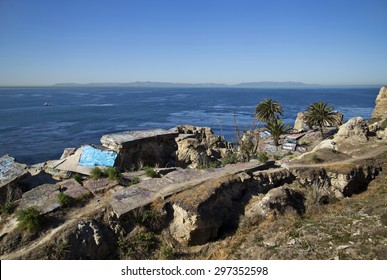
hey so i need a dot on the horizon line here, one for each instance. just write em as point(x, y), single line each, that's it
point(198, 84)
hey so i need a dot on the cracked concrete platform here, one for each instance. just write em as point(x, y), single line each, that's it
point(135, 196)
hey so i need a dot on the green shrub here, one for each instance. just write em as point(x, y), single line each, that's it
point(77, 177)
point(96, 173)
point(149, 218)
point(150, 172)
point(213, 164)
point(7, 208)
point(289, 153)
point(229, 159)
point(167, 252)
point(317, 159)
point(112, 173)
point(263, 157)
point(134, 180)
point(138, 246)
point(30, 219)
point(64, 200)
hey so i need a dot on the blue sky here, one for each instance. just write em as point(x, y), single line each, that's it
point(326, 42)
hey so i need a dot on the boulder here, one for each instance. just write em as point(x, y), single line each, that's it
point(278, 201)
point(205, 135)
point(89, 239)
point(353, 132)
point(382, 134)
point(300, 124)
point(380, 110)
point(325, 144)
point(200, 213)
point(198, 146)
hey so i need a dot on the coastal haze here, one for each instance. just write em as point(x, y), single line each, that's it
point(35, 133)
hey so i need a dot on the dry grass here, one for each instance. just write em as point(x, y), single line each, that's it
point(352, 228)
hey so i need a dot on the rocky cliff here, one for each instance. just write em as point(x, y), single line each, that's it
point(380, 110)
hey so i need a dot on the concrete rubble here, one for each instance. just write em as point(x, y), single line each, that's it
point(125, 200)
point(142, 147)
point(44, 197)
point(11, 174)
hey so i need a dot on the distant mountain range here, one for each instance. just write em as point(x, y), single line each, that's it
point(167, 84)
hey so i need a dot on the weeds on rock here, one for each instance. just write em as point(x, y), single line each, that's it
point(229, 159)
point(113, 174)
point(139, 246)
point(150, 172)
point(77, 177)
point(30, 219)
point(263, 157)
point(167, 252)
point(148, 218)
point(65, 200)
point(134, 180)
point(59, 250)
point(96, 173)
point(7, 208)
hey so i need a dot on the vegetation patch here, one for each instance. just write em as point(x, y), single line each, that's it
point(138, 246)
point(65, 200)
point(263, 157)
point(30, 219)
point(96, 173)
point(112, 173)
point(77, 177)
point(150, 172)
point(229, 159)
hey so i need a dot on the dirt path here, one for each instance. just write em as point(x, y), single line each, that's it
point(368, 153)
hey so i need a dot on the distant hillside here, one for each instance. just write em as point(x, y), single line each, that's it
point(168, 84)
point(273, 84)
point(140, 84)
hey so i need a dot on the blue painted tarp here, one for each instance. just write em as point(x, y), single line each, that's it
point(95, 157)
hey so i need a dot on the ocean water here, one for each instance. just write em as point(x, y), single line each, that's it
point(35, 133)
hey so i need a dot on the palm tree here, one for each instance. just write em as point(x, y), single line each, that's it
point(276, 128)
point(320, 114)
point(268, 110)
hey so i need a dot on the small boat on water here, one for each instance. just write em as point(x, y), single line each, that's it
point(47, 104)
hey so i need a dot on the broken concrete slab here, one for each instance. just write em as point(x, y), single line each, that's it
point(11, 170)
point(72, 188)
point(44, 198)
point(132, 197)
point(11, 174)
point(155, 147)
point(69, 164)
point(117, 141)
point(100, 185)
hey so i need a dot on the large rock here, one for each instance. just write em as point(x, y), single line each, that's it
point(198, 146)
point(355, 181)
point(278, 201)
point(380, 110)
point(300, 124)
point(11, 175)
point(205, 135)
point(353, 132)
point(142, 147)
point(200, 212)
point(92, 240)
